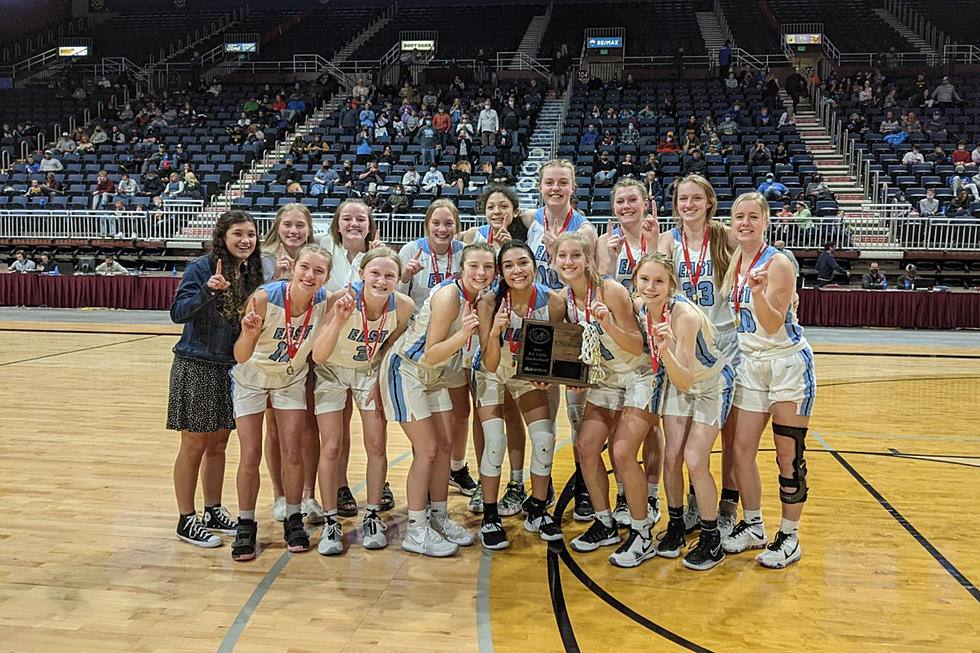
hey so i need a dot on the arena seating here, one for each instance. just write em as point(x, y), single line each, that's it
point(750, 27)
point(850, 24)
point(137, 36)
point(323, 32)
point(957, 18)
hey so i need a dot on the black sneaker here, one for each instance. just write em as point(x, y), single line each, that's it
point(493, 536)
point(216, 518)
point(544, 525)
point(244, 546)
point(297, 540)
point(462, 481)
point(191, 530)
point(670, 541)
point(707, 553)
point(598, 535)
point(583, 507)
point(621, 512)
point(548, 502)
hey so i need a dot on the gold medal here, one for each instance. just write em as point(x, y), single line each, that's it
point(738, 322)
point(369, 372)
point(289, 369)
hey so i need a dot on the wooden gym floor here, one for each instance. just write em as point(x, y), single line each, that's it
point(89, 562)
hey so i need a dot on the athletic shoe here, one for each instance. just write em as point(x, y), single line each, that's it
point(387, 498)
point(331, 538)
point(583, 507)
point(726, 523)
point(279, 509)
point(670, 541)
point(550, 497)
point(745, 536)
point(475, 504)
point(191, 530)
point(452, 531)
point(493, 536)
point(216, 518)
point(313, 511)
point(513, 499)
point(692, 516)
point(297, 540)
point(653, 509)
point(544, 525)
point(244, 547)
point(707, 553)
point(462, 481)
point(346, 498)
point(425, 541)
point(621, 513)
point(374, 531)
point(598, 535)
point(637, 548)
point(784, 551)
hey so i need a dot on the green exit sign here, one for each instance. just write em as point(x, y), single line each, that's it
point(603, 51)
point(801, 48)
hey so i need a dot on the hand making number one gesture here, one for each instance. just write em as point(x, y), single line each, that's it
point(252, 322)
point(217, 281)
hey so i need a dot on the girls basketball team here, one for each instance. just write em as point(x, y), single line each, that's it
point(690, 333)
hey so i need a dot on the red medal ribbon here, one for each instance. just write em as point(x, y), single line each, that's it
point(654, 356)
point(291, 349)
point(740, 286)
point(435, 262)
point(362, 307)
point(511, 340)
point(588, 302)
point(469, 301)
point(695, 273)
point(629, 252)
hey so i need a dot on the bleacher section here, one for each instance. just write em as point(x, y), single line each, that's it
point(958, 18)
point(140, 36)
point(750, 27)
point(323, 32)
point(850, 24)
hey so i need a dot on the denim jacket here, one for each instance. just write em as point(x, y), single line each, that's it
point(207, 335)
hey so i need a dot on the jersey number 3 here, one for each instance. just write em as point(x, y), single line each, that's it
point(706, 292)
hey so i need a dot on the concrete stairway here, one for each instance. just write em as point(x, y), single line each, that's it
point(711, 32)
point(345, 52)
point(917, 41)
point(540, 150)
point(531, 40)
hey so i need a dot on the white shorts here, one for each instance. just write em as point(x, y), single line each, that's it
point(633, 389)
point(707, 402)
point(490, 389)
point(456, 377)
point(331, 383)
point(411, 393)
point(249, 401)
point(726, 342)
point(762, 382)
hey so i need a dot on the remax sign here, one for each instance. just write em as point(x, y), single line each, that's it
point(594, 42)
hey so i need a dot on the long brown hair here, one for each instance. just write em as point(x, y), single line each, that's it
point(243, 280)
point(721, 253)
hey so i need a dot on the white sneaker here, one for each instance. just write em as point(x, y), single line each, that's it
point(331, 538)
point(692, 516)
point(119, 234)
point(653, 509)
point(621, 513)
point(744, 536)
point(374, 531)
point(639, 546)
point(452, 531)
point(784, 551)
point(425, 541)
point(313, 511)
point(726, 523)
point(279, 509)
point(134, 236)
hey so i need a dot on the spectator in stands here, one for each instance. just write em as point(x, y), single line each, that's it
point(937, 157)
point(52, 186)
point(360, 91)
point(104, 190)
point(773, 190)
point(398, 201)
point(366, 117)
point(364, 149)
point(443, 124)
point(179, 157)
point(500, 175)
point(960, 206)
point(174, 187)
point(316, 148)
point(297, 149)
point(803, 218)
point(627, 168)
point(693, 164)
point(372, 175)
point(127, 186)
point(21, 263)
point(668, 144)
point(287, 173)
point(961, 156)
point(827, 266)
point(713, 144)
point(36, 191)
point(487, 124)
point(788, 253)
point(889, 125)
point(692, 141)
point(193, 188)
point(935, 128)
point(324, 180)
point(48, 265)
point(652, 183)
point(433, 181)
point(913, 156)
point(349, 119)
point(459, 175)
point(110, 267)
point(152, 185)
point(430, 142)
point(909, 280)
point(873, 279)
point(975, 156)
point(651, 163)
point(728, 126)
point(99, 136)
point(630, 135)
point(464, 140)
point(31, 166)
point(760, 155)
point(295, 109)
point(50, 164)
point(929, 205)
point(731, 82)
point(960, 181)
point(787, 118)
point(763, 118)
point(945, 94)
point(911, 124)
point(604, 170)
point(155, 160)
point(65, 145)
point(724, 60)
point(411, 180)
point(510, 114)
point(818, 189)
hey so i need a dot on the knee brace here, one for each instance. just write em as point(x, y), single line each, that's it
point(798, 481)
point(494, 447)
point(542, 446)
point(576, 412)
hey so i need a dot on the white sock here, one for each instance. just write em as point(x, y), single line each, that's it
point(790, 527)
point(517, 475)
point(246, 514)
point(372, 507)
point(619, 489)
point(752, 516)
point(641, 525)
point(416, 518)
point(439, 510)
point(605, 517)
point(653, 490)
point(331, 514)
point(291, 509)
point(456, 465)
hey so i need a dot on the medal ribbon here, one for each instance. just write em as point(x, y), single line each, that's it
point(695, 273)
point(588, 302)
point(629, 252)
point(362, 307)
point(291, 349)
point(435, 262)
point(739, 286)
point(654, 356)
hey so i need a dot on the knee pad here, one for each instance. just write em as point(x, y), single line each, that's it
point(798, 482)
point(542, 446)
point(494, 447)
point(576, 412)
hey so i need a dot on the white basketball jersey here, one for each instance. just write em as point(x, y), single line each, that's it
point(351, 351)
point(267, 368)
point(708, 359)
point(624, 266)
point(614, 358)
point(707, 294)
point(433, 273)
point(751, 336)
point(539, 311)
point(411, 344)
point(547, 274)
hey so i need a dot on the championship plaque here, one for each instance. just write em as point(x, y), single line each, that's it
point(549, 353)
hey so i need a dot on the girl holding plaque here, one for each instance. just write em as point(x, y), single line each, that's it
point(415, 394)
point(426, 263)
point(348, 351)
point(621, 376)
point(701, 249)
point(501, 315)
point(272, 353)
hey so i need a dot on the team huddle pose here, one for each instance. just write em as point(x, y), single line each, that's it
point(688, 333)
